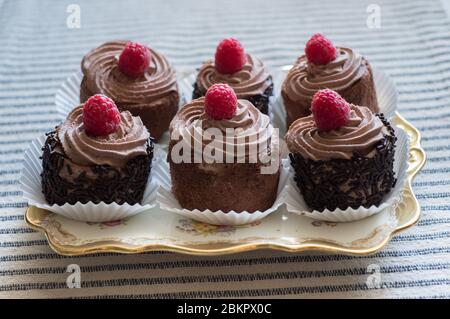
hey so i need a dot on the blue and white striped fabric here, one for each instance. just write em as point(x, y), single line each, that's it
point(38, 51)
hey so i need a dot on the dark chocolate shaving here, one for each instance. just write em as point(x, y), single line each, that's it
point(261, 101)
point(341, 183)
point(110, 184)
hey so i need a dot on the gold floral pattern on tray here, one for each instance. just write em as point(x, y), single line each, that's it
point(199, 228)
point(105, 225)
point(318, 223)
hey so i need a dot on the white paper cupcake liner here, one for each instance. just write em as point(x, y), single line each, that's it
point(384, 86)
point(186, 82)
point(68, 95)
point(30, 181)
point(168, 202)
point(387, 94)
point(296, 204)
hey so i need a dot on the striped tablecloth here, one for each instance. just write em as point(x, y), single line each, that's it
point(38, 51)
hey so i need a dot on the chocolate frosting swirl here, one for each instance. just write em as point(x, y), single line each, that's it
point(362, 132)
point(103, 76)
point(252, 80)
point(305, 78)
point(115, 149)
point(251, 128)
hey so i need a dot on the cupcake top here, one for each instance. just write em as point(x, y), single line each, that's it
point(361, 133)
point(306, 78)
point(245, 73)
point(323, 66)
point(129, 140)
point(103, 75)
point(251, 80)
point(240, 127)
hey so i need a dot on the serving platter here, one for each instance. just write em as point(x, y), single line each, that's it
point(164, 231)
point(157, 229)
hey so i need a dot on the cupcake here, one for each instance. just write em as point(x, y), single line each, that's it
point(137, 78)
point(342, 154)
point(223, 154)
point(325, 66)
point(97, 154)
point(245, 73)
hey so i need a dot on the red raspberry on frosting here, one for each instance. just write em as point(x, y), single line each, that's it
point(100, 115)
point(330, 110)
point(230, 56)
point(134, 60)
point(320, 50)
point(220, 102)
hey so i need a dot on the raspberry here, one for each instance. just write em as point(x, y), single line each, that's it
point(220, 102)
point(230, 56)
point(100, 115)
point(320, 50)
point(134, 60)
point(330, 110)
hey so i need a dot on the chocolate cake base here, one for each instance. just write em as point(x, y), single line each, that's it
point(361, 92)
point(66, 182)
point(156, 116)
point(220, 186)
point(340, 183)
point(261, 101)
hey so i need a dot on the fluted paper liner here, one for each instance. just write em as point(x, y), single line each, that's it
point(31, 187)
point(167, 201)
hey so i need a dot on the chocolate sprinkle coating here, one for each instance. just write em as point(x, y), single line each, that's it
point(342, 183)
point(111, 184)
point(260, 101)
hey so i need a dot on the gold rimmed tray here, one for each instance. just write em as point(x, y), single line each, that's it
point(164, 231)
